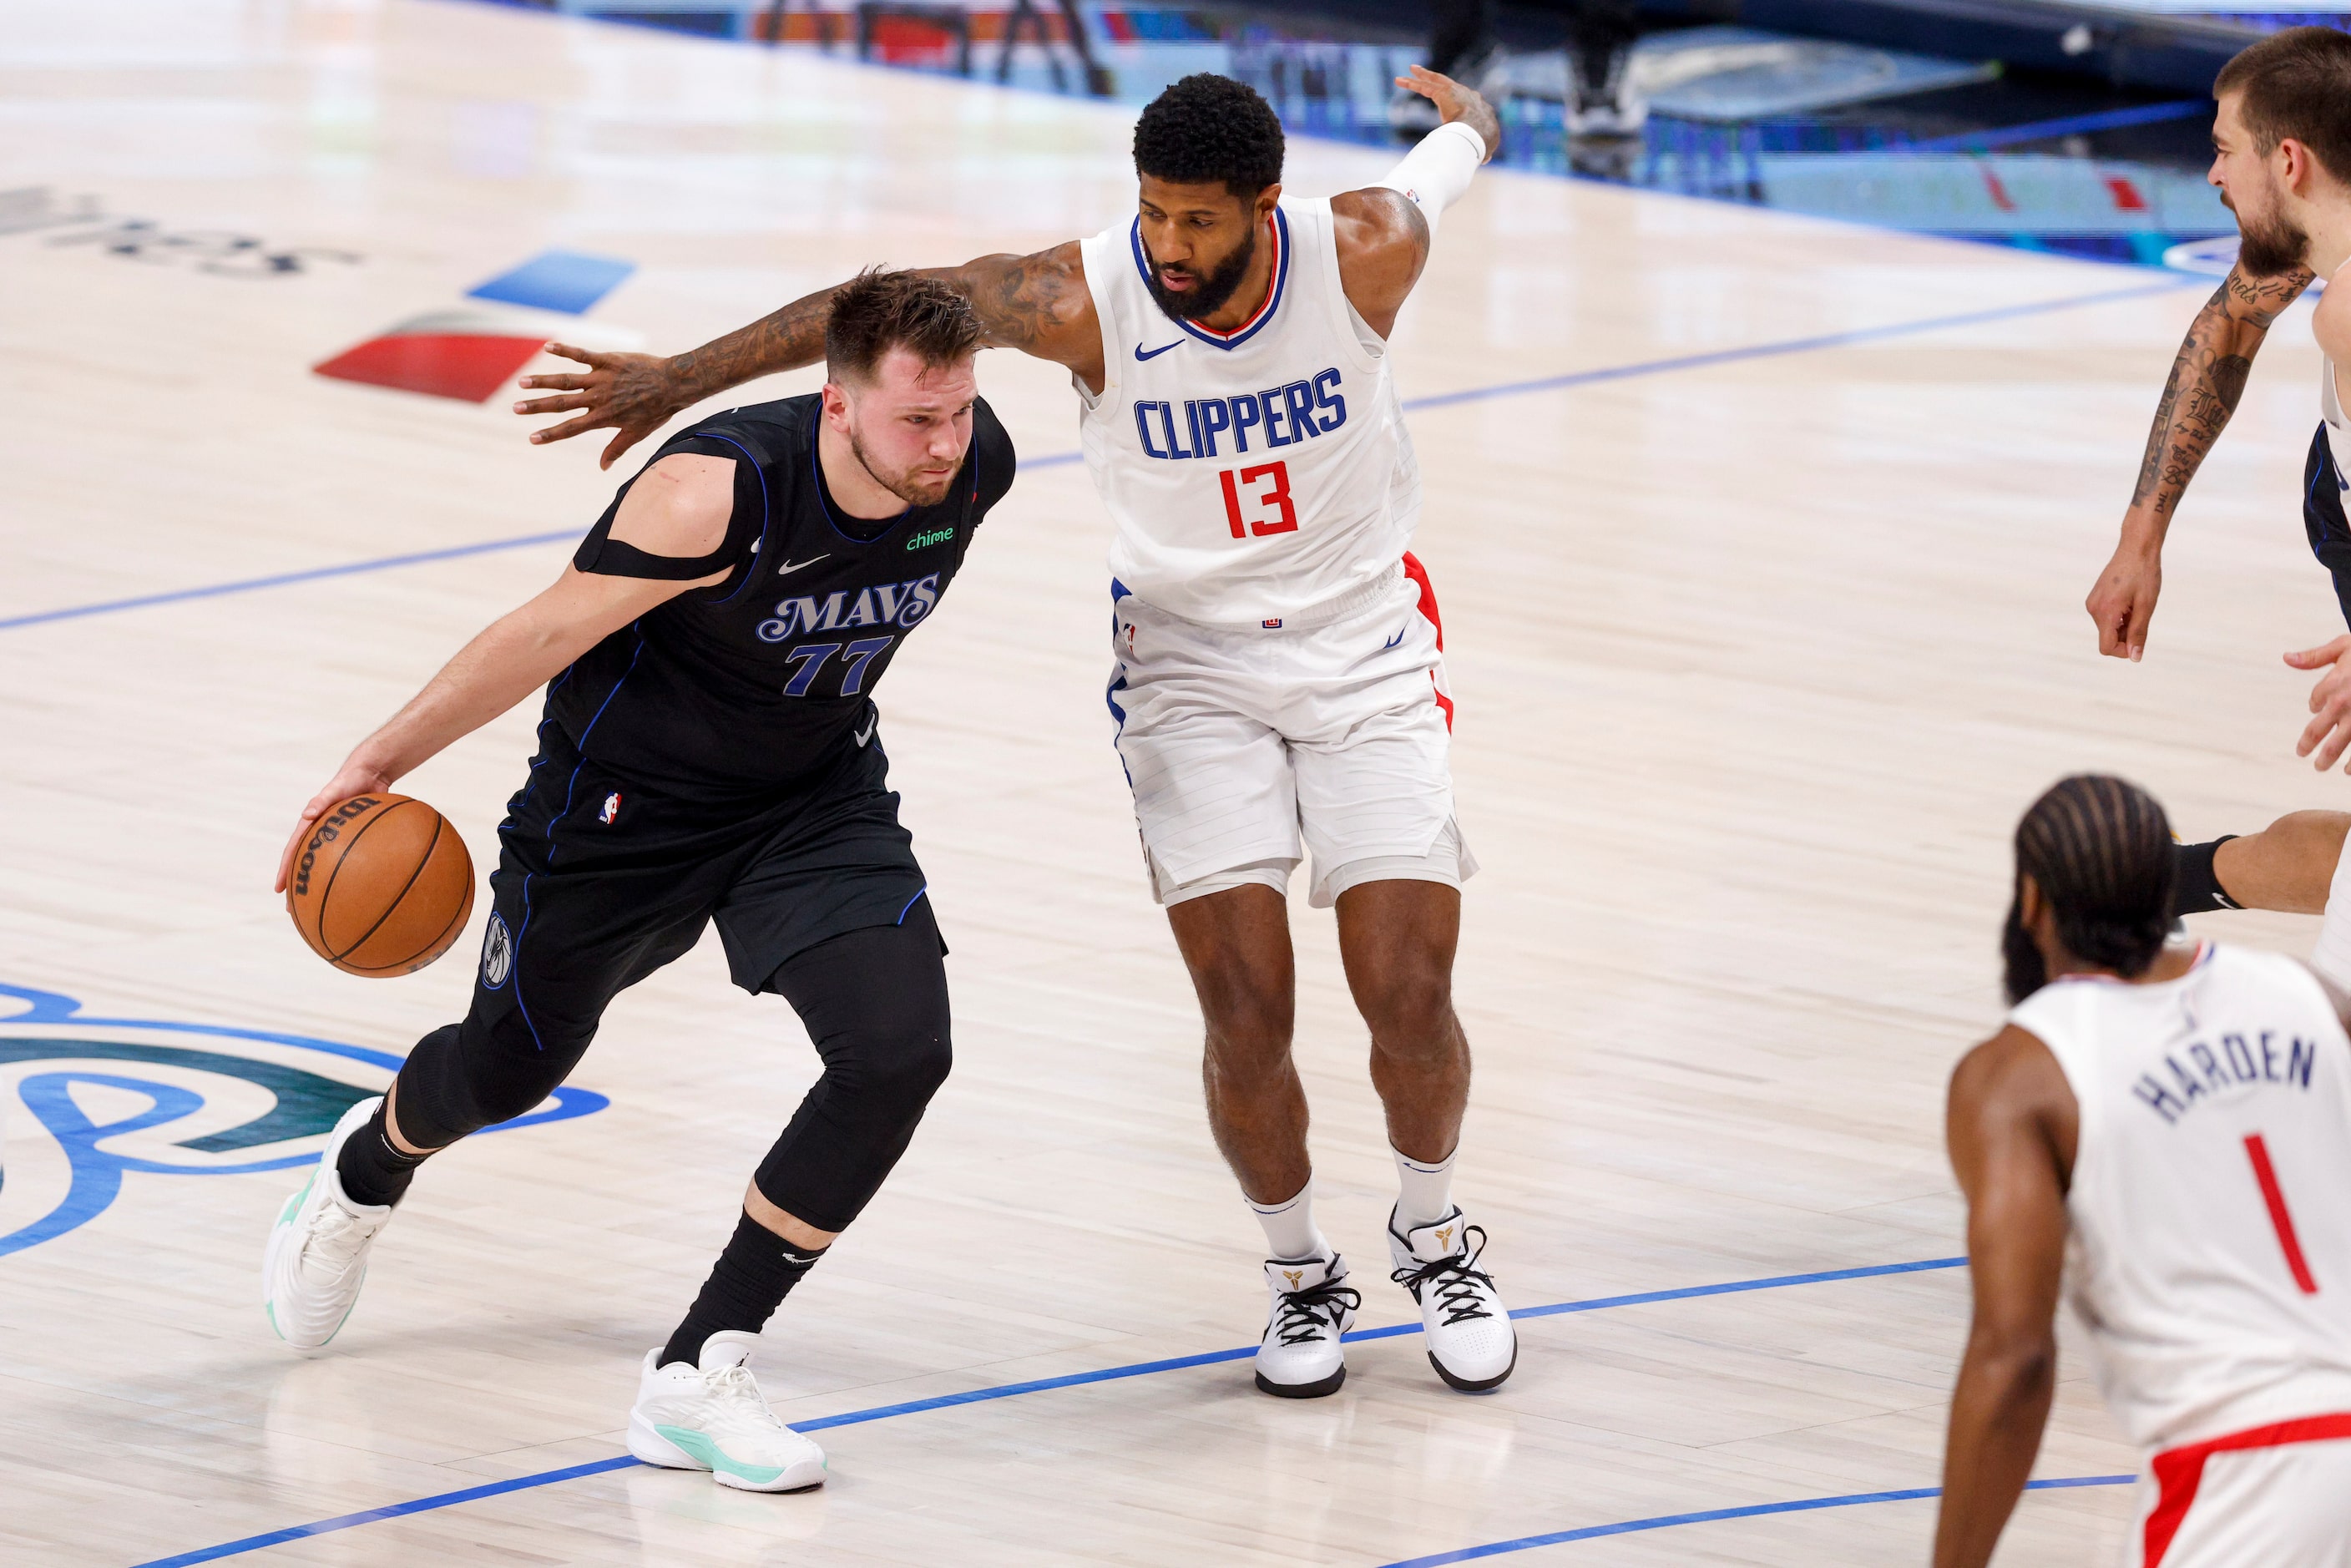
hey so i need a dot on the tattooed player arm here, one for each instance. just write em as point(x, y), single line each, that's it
point(2206, 379)
point(1384, 231)
point(1037, 304)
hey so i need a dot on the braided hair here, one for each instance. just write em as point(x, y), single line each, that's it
point(2100, 850)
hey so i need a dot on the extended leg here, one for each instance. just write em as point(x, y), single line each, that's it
point(876, 1005)
point(1397, 940)
point(1237, 944)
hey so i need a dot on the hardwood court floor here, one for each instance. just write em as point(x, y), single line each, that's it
point(1760, 647)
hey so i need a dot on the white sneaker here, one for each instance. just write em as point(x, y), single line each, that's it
point(316, 1258)
point(1300, 1356)
point(712, 1418)
point(1471, 1340)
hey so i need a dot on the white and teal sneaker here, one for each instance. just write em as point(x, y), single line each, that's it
point(316, 1258)
point(712, 1418)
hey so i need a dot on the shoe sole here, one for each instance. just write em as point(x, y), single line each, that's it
point(1314, 1390)
point(656, 1449)
point(1478, 1385)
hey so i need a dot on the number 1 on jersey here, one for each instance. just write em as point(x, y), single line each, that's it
point(2280, 1220)
point(1285, 519)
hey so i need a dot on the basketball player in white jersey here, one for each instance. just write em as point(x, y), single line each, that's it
point(2164, 1132)
point(1278, 688)
point(2282, 160)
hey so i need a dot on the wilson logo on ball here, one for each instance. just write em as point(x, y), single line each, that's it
point(330, 829)
point(383, 887)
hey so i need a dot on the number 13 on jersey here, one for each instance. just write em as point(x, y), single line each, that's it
point(1265, 490)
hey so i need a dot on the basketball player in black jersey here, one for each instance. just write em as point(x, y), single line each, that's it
point(710, 753)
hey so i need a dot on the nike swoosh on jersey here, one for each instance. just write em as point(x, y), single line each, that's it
point(791, 567)
point(1140, 356)
point(1397, 638)
point(871, 721)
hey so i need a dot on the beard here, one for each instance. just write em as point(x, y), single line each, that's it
point(2023, 970)
point(1208, 295)
point(2270, 246)
point(907, 484)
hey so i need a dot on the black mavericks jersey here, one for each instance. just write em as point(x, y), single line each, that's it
point(753, 685)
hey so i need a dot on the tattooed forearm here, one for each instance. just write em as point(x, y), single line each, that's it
point(790, 338)
point(1025, 302)
point(2207, 382)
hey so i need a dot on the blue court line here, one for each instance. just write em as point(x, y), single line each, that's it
point(1062, 459)
point(1793, 345)
point(1038, 1385)
point(1752, 1510)
point(2071, 125)
point(246, 585)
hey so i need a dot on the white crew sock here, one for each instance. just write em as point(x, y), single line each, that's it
point(2331, 958)
point(1425, 1191)
point(1291, 1233)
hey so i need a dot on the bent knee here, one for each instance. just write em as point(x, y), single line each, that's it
point(892, 1073)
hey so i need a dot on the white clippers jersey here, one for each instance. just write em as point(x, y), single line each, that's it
point(2210, 1253)
point(1256, 475)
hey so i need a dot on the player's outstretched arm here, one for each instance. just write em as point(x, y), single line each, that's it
point(680, 507)
point(2012, 1126)
point(1037, 304)
point(2206, 379)
point(1384, 230)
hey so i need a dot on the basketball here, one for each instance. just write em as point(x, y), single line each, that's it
point(382, 886)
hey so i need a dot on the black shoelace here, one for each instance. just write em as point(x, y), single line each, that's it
point(1306, 1315)
point(1455, 1277)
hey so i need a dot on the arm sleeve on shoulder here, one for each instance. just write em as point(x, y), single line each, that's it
point(605, 556)
point(1436, 173)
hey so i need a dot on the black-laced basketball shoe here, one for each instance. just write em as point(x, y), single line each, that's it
point(1300, 1356)
point(1471, 1340)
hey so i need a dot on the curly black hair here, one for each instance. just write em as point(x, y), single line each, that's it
point(1207, 128)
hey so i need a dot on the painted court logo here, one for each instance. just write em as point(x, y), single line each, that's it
point(88, 1102)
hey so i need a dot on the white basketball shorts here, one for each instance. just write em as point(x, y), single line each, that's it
point(1248, 747)
point(2276, 1497)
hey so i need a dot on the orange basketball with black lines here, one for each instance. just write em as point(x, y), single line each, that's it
point(382, 886)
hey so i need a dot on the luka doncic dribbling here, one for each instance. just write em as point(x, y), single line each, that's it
point(709, 753)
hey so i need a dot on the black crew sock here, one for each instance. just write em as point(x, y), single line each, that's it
point(745, 1286)
point(372, 1171)
point(2194, 889)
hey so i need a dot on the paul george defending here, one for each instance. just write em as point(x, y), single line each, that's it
point(1277, 679)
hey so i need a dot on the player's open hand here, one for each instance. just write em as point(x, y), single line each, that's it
point(635, 393)
point(2329, 731)
point(1453, 102)
point(2123, 602)
point(353, 778)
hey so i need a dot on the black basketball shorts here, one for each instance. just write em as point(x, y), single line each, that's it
point(601, 881)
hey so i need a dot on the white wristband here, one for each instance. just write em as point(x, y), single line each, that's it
point(1434, 174)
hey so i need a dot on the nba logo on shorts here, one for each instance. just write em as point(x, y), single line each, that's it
point(611, 809)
